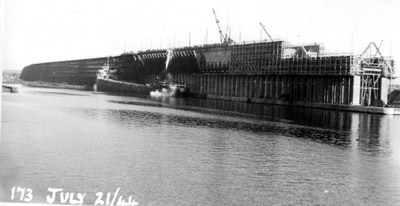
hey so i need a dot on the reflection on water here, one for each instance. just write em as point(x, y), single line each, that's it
point(305, 116)
point(171, 151)
point(145, 118)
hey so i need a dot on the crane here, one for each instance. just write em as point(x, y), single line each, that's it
point(266, 31)
point(221, 35)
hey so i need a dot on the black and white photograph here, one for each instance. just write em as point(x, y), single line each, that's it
point(211, 102)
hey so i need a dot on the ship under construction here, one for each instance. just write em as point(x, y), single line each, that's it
point(270, 72)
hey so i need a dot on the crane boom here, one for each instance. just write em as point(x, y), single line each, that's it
point(266, 31)
point(221, 35)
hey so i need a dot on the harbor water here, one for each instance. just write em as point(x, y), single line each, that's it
point(167, 151)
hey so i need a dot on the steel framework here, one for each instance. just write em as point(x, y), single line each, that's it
point(371, 65)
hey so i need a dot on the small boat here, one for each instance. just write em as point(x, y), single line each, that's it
point(181, 90)
point(10, 88)
point(172, 88)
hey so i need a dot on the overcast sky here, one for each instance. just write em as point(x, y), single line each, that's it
point(51, 30)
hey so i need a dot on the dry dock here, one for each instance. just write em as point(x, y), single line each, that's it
point(262, 72)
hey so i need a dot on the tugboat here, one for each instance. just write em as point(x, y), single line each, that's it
point(181, 90)
point(171, 88)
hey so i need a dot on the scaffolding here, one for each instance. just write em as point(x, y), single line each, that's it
point(279, 58)
point(372, 67)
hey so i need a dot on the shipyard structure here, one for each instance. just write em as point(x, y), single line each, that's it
point(274, 72)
